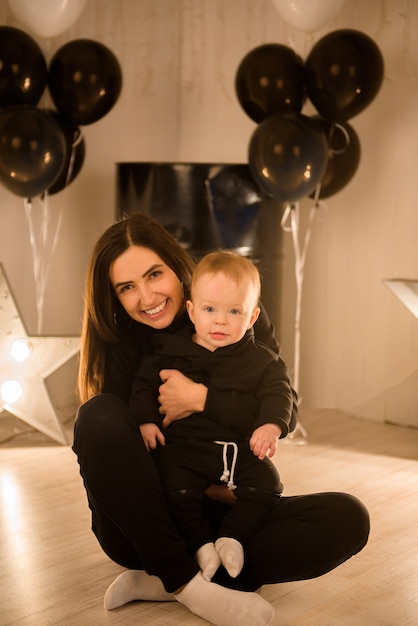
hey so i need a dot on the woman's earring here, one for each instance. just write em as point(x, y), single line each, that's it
point(116, 323)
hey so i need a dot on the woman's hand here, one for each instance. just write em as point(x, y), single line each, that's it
point(180, 396)
point(263, 441)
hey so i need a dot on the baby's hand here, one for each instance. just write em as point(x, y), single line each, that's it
point(264, 440)
point(152, 436)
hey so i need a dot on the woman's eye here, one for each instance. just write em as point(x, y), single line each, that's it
point(155, 274)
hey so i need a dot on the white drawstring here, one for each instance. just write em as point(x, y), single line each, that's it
point(228, 475)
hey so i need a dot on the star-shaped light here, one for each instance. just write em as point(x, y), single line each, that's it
point(25, 364)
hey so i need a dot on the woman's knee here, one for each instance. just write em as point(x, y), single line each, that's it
point(98, 417)
point(348, 520)
point(358, 514)
point(99, 407)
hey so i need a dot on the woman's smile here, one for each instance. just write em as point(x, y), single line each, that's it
point(156, 310)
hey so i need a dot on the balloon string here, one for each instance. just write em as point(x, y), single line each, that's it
point(78, 137)
point(70, 166)
point(345, 134)
point(292, 212)
point(43, 234)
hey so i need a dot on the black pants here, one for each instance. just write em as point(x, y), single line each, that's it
point(187, 467)
point(302, 537)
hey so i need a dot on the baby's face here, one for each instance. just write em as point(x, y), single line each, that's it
point(221, 310)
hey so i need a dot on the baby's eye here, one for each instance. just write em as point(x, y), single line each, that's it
point(209, 309)
point(235, 311)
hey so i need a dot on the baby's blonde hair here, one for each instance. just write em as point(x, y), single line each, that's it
point(238, 268)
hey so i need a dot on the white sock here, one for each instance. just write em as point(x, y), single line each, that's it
point(231, 554)
point(135, 585)
point(208, 560)
point(222, 607)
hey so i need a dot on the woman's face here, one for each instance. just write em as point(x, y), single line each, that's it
point(146, 287)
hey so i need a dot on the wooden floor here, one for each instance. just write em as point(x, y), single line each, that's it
point(52, 571)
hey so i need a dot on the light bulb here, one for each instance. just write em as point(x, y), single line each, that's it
point(20, 350)
point(11, 391)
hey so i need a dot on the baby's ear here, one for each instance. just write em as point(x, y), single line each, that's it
point(254, 317)
point(189, 307)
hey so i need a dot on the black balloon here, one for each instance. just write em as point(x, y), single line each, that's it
point(288, 156)
point(236, 201)
point(270, 80)
point(85, 80)
point(343, 74)
point(343, 156)
point(23, 71)
point(33, 150)
point(75, 153)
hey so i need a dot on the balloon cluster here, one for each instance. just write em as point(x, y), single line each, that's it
point(42, 150)
point(292, 155)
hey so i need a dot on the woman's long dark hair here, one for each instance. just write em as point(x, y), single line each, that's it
point(102, 308)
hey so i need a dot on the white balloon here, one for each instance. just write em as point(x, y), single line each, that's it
point(308, 15)
point(47, 18)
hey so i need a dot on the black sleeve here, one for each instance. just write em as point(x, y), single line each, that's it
point(123, 359)
point(275, 397)
point(264, 331)
point(143, 400)
point(120, 365)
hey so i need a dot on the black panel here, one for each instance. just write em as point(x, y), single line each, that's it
point(208, 206)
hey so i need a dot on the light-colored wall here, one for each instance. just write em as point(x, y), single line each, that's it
point(359, 348)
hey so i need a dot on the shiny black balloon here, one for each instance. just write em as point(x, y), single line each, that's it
point(23, 69)
point(270, 80)
point(343, 74)
point(75, 152)
point(236, 201)
point(85, 80)
point(343, 156)
point(33, 150)
point(288, 156)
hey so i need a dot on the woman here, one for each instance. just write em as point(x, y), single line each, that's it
point(136, 283)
